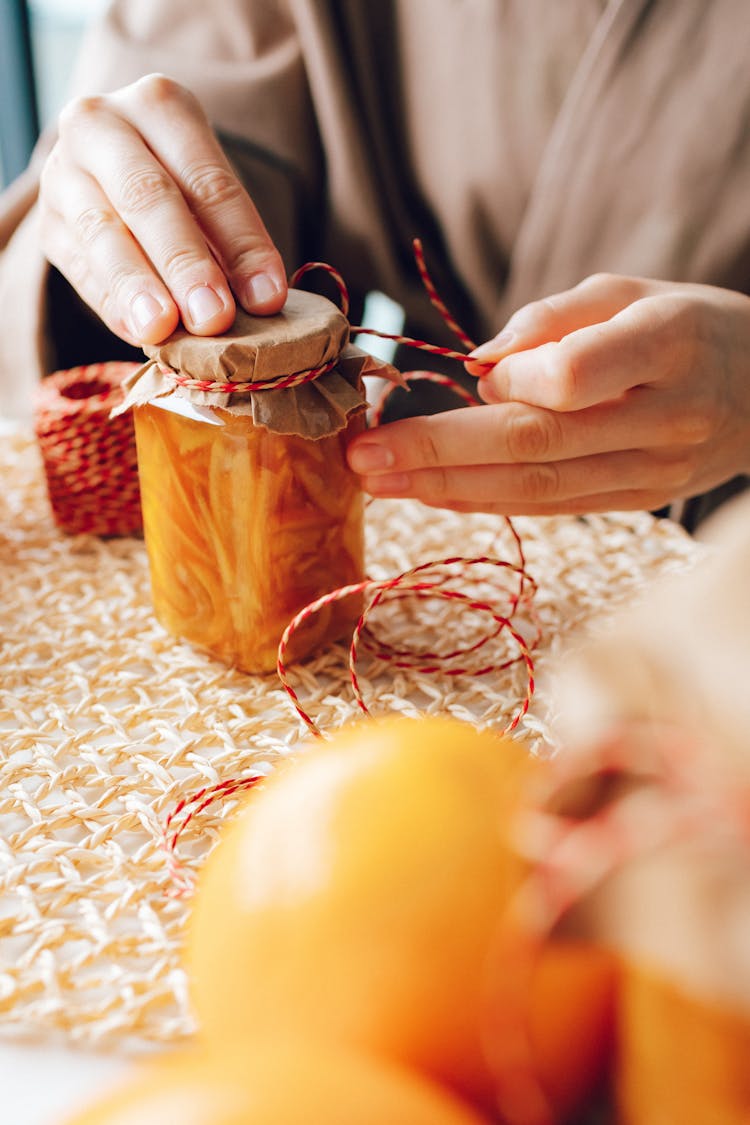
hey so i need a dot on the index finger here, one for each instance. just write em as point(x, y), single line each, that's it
point(639, 345)
point(188, 149)
point(512, 433)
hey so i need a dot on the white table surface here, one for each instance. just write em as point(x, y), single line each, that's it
point(43, 1085)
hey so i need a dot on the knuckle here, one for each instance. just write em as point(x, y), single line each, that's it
point(694, 426)
point(120, 282)
point(251, 257)
point(427, 449)
point(679, 473)
point(437, 483)
point(160, 90)
point(569, 370)
point(185, 262)
point(603, 283)
point(94, 222)
point(599, 280)
point(210, 185)
point(539, 483)
point(142, 188)
point(606, 280)
point(78, 111)
point(533, 315)
point(530, 435)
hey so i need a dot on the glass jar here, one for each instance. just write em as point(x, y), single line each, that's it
point(245, 527)
point(250, 510)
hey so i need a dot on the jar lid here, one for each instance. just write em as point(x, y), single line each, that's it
point(308, 333)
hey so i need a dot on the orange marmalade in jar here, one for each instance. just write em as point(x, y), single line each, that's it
point(250, 511)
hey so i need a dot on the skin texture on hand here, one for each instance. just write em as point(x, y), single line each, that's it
point(142, 213)
point(621, 393)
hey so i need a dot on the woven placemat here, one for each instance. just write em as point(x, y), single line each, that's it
point(107, 723)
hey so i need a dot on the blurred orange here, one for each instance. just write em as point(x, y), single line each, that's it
point(549, 1032)
point(681, 1057)
point(571, 1020)
point(277, 1083)
point(357, 899)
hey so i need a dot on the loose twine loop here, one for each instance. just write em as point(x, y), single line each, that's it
point(439, 579)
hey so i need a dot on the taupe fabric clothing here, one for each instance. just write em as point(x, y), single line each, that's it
point(528, 143)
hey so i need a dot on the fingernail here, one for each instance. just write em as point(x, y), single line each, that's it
point(493, 348)
point(204, 304)
point(487, 392)
point(260, 289)
point(144, 310)
point(388, 484)
point(370, 456)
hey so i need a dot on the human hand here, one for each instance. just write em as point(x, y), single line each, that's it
point(620, 393)
point(142, 213)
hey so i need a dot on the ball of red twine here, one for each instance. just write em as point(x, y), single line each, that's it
point(89, 458)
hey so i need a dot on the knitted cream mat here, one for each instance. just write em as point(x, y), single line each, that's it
point(106, 723)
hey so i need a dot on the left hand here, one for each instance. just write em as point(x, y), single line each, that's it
point(620, 393)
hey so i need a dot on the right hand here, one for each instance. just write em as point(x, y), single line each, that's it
point(144, 216)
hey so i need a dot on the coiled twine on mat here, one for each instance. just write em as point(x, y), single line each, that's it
point(89, 458)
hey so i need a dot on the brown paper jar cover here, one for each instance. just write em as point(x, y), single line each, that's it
point(307, 334)
point(250, 511)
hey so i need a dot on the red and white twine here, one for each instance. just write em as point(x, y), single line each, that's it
point(279, 383)
point(89, 458)
point(436, 579)
point(432, 583)
point(299, 378)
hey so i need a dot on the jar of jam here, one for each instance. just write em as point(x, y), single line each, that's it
point(250, 511)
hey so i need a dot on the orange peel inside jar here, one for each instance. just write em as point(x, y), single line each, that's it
point(250, 510)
